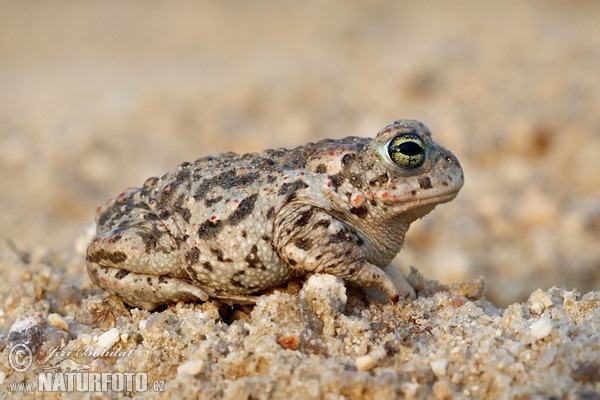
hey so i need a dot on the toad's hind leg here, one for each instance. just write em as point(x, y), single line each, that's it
point(142, 265)
point(144, 291)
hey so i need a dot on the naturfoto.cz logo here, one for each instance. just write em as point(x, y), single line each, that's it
point(71, 376)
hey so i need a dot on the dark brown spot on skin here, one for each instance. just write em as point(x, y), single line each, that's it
point(291, 262)
point(336, 180)
point(180, 240)
point(305, 218)
point(212, 202)
point(444, 183)
point(244, 209)
point(235, 281)
point(192, 273)
point(241, 181)
point(323, 223)
point(191, 257)
point(291, 188)
point(121, 274)
point(226, 180)
point(244, 234)
point(220, 256)
point(116, 257)
point(270, 213)
point(210, 229)
point(264, 163)
point(266, 238)
point(150, 217)
point(425, 183)
point(356, 181)
point(207, 266)
point(162, 279)
point(343, 235)
point(254, 260)
point(151, 238)
point(321, 169)
point(149, 281)
point(380, 180)
point(303, 244)
point(360, 212)
point(348, 159)
point(413, 192)
point(186, 214)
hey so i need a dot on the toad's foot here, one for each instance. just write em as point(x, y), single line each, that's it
point(145, 291)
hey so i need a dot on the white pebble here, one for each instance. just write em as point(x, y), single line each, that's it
point(365, 363)
point(85, 338)
point(439, 367)
point(23, 324)
point(58, 321)
point(191, 368)
point(108, 338)
point(539, 301)
point(541, 328)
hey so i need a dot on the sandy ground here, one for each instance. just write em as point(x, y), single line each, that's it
point(96, 97)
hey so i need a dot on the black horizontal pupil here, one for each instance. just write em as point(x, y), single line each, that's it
point(410, 148)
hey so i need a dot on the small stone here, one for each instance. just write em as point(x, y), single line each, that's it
point(55, 337)
point(325, 294)
point(290, 342)
point(85, 338)
point(27, 332)
point(191, 368)
point(108, 338)
point(151, 321)
point(58, 321)
point(541, 328)
point(539, 301)
point(410, 390)
point(439, 367)
point(365, 363)
point(588, 372)
point(442, 390)
point(68, 294)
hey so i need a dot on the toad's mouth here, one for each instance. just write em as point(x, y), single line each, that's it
point(439, 198)
point(417, 201)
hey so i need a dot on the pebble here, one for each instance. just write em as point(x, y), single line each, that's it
point(58, 321)
point(541, 328)
point(365, 363)
point(191, 368)
point(539, 301)
point(27, 332)
point(108, 338)
point(439, 367)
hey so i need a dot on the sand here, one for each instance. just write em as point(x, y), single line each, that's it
point(97, 97)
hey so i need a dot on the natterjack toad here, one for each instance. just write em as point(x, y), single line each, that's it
point(231, 226)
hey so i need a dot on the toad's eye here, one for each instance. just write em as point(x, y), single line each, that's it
point(407, 151)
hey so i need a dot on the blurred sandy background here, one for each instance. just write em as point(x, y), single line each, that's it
point(98, 96)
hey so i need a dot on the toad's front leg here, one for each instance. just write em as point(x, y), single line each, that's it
point(312, 241)
point(142, 265)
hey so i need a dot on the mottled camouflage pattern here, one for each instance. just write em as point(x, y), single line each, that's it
point(231, 226)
